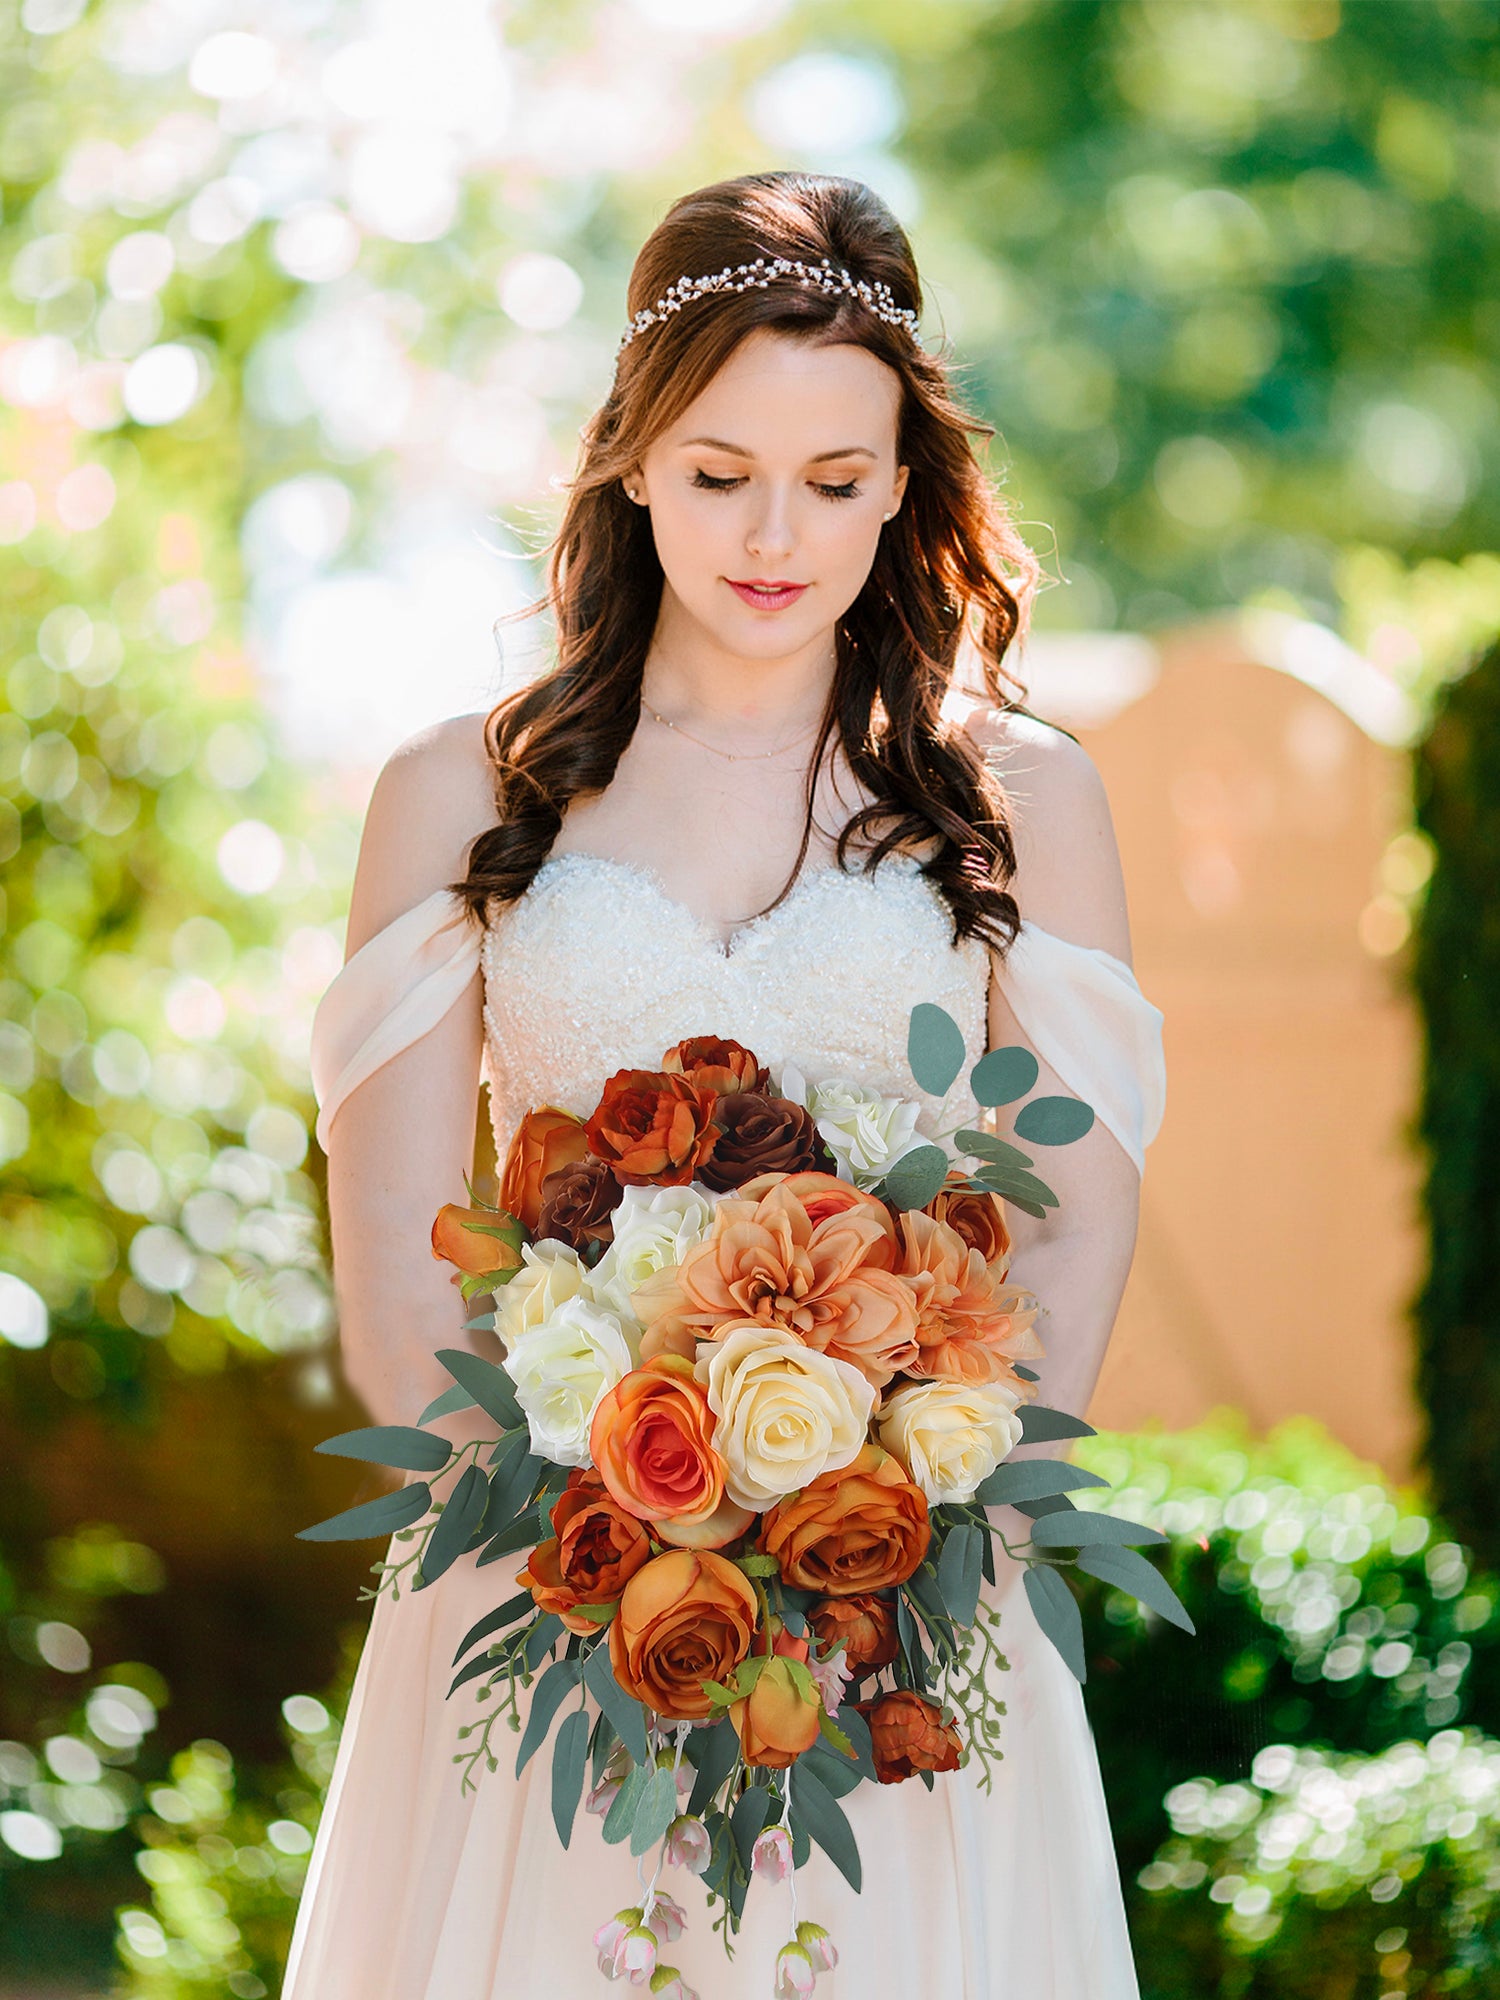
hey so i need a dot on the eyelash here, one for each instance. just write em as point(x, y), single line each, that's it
point(705, 480)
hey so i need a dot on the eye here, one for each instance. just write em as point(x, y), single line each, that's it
point(847, 491)
point(709, 484)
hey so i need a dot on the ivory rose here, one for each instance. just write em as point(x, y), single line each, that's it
point(827, 1282)
point(908, 1734)
point(654, 1228)
point(545, 1139)
point(856, 1530)
point(550, 1274)
point(865, 1132)
point(561, 1368)
point(950, 1436)
point(652, 1126)
point(651, 1443)
point(594, 1550)
point(779, 1718)
point(786, 1413)
point(686, 1617)
point(971, 1327)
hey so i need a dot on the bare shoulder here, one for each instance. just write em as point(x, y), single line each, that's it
point(434, 796)
point(1068, 878)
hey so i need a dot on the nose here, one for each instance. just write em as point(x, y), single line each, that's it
point(770, 536)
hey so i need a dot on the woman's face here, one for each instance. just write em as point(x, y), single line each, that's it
point(768, 494)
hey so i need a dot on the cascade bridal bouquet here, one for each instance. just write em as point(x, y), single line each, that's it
point(761, 1372)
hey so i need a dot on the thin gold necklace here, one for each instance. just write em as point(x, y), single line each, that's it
point(729, 756)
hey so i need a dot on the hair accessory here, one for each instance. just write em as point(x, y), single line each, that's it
point(766, 271)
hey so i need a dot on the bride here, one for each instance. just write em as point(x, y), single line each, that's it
point(750, 798)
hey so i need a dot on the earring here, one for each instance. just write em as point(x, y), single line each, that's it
point(632, 491)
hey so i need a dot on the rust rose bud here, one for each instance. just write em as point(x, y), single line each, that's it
point(577, 1203)
point(686, 1617)
point(860, 1529)
point(720, 1066)
point(978, 1217)
point(595, 1549)
point(761, 1135)
point(865, 1623)
point(545, 1139)
point(778, 1719)
point(908, 1734)
point(652, 1127)
point(460, 1236)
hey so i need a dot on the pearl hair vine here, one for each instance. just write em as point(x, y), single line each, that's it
point(826, 277)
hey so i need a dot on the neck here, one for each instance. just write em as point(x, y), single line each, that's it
point(690, 677)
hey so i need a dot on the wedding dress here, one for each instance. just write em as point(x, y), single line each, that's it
point(416, 1892)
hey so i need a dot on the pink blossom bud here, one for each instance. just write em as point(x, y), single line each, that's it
point(795, 1977)
point(608, 1936)
point(772, 1854)
point(688, 1844)
point(831, 1677)
point(819, 1946)
point(602, 1797)
point(635, 1955)
point(667, 1918)
point(667, 1984)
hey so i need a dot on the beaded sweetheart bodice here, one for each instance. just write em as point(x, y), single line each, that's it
point(597, 968)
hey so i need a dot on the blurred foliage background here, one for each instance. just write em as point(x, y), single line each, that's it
point(301, 309)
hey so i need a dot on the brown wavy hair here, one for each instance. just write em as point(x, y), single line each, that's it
point(950, 565)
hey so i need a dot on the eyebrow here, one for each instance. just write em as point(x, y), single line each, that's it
point(818, 458)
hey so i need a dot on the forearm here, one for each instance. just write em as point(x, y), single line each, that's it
point(1078, 1276)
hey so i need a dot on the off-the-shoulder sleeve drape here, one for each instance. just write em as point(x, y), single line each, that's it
point(393, 990)
point(1086, 1015)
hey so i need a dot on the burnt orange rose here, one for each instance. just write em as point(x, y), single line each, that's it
point(685, 1618)
point(595, 1549)
point(971, 1326)
point(826, 1281)
point(978, 1217)
point(866, 1625)
point(778, 1719)
point(652, 1127)
point(716, 1065)
point(861, 1529)
point(651, 1441)
point(460, 1236)
point(908, 1734)
point(545, 1139)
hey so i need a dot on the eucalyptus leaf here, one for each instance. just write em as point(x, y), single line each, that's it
point(458, 1520)
point(496, 1621)
point(491, 1388)
point(959, 1572)
point(476, 1669)
point(547, 1697)
point(1057, 1613)
point(1026, 1374)
point(824, 1819)
point(381, 1516)
point(623, 1710)
point(911, 1644)
point(857, 1730)
point(1002, 1075)
point(446, 1404)
point(514, 1536)
point(838, 1774)
point(716, 1759)
point(1015, 1185)
point(1078, 1530)
point(935, 1048)
point(746, 1821)
point(400, 1445)
point(656, 1810)
point(1053, 1121)
point(621, 1815)
point(1033, 1479)
point(916, 1177)
point(601, 1743)
point(985, 1146)
point(1041, 1425)
point(1130, 1571)
point(569, 1754)
point(1050, 1503)
point(543, 1638)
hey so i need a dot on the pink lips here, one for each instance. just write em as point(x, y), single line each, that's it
point(767, 594)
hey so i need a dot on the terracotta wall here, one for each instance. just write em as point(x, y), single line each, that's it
point(1279, 1237)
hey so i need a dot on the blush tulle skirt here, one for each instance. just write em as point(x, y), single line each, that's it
point(418, 1892)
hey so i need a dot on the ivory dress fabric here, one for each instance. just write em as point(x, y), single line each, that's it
point(418, 1893)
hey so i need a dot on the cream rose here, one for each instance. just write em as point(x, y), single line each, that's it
point(949, 1435)
point(865, 1132)
point(561, 1368)
point(654, 1228)
point(785, 1412)
point(550, 1273)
